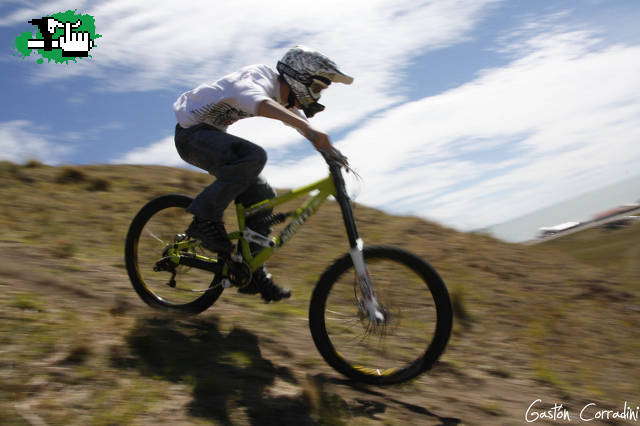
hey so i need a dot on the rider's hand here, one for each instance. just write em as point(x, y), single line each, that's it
point(320, 140)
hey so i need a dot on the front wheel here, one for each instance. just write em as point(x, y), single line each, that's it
point(417, 317)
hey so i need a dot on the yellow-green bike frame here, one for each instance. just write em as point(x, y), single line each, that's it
point(325, 188)
point(363, 307)
point(181, 252)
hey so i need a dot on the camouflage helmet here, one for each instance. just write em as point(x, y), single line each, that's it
point(308, 72)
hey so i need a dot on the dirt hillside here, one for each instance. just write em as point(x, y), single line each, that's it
point(77, 345)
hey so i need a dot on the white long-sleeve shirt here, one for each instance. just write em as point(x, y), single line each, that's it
point(229, 99)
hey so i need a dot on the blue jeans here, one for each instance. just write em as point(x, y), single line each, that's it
point(236, 163)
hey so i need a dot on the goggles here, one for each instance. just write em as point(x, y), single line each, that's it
point(316, 86)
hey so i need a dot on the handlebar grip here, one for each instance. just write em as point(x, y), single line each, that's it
point(334, 156)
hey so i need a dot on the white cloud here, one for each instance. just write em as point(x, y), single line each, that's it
point(32, 10)
point(168, 46)
point(21, 140)
point(557, 121)
point(161, 152)
point(90, 134)
point(560, 120)
point(268, 133)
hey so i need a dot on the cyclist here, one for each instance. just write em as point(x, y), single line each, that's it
point(204, 114)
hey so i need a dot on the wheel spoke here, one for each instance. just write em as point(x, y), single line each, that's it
point(150, 232)
point(339, 313)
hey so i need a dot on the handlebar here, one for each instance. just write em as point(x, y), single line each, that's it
point(335, 157)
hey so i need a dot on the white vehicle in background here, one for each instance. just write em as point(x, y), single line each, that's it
point(553, 230)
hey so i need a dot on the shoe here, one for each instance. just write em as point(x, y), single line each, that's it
point(212, 234)
point(262, 283)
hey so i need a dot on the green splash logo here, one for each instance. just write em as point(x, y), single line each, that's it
point(61, 37)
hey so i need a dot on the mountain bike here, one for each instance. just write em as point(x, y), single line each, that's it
point(379, 314)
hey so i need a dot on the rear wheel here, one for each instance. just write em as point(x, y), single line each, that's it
point(416, 307)
point(152, 231)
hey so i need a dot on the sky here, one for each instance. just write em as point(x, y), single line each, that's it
point(469, 113)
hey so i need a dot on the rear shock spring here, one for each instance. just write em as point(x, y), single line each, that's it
point(268, 220)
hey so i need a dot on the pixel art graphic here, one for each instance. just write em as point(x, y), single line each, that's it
point(60, 37)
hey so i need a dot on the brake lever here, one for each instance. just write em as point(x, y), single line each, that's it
point(341, 159)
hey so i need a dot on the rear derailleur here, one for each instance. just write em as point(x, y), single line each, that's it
point(166, 264)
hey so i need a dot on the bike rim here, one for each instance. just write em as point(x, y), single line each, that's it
point(155, 236)
point(401, 341)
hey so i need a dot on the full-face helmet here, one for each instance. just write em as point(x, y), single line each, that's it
point(308, 72)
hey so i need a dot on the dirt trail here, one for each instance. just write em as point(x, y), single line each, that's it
point(283, 380)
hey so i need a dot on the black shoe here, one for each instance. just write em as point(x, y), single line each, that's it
point(262, 283)
point(212, 234)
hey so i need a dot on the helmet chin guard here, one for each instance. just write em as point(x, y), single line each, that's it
point(312, 109)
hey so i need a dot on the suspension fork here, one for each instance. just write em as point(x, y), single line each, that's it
point(345, 205)
point(369, 304)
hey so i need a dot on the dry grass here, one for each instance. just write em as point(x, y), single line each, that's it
point(78, 347)
point(33, 164)
point(71, 175)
